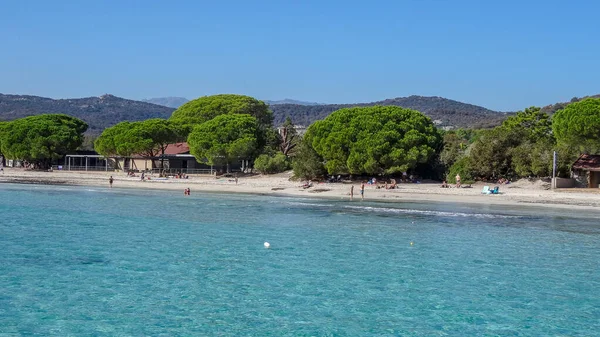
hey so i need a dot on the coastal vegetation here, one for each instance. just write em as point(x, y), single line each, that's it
point(147, 138)
point(523, 145)
point(373, 140)
point(268, 164)
point(578, 125)
point(41, 139)
point(307, 164)
point(281, 148)
point(205, 108)
point(369, 140)
point(225, 138)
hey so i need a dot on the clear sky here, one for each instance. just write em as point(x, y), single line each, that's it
point(504, 55)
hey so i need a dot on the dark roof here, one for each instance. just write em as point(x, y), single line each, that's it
point(177, 148)
point(587, 162)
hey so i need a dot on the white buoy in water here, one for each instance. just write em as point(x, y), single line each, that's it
point(267, 245)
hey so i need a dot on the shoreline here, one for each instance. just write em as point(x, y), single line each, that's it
point(521, 193)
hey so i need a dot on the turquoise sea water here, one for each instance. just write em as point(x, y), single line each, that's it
point(77, 261)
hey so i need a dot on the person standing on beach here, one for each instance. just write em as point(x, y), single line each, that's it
point(352, 192)
point(110, 181)
point(362, 191)
point(457, 180)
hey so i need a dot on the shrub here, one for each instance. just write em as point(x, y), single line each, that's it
point(463, 168)
point(307, 164)
point(271, 164)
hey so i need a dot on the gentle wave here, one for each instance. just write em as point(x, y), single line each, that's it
point(299, 203)
point(425, 212)
point(402, 210)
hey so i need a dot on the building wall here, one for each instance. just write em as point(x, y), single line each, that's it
point(594, 179)
point(589, 179)
point(134, 164)
point(141, 164)
point(563, 183)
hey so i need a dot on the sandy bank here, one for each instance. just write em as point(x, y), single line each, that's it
point(519, 193)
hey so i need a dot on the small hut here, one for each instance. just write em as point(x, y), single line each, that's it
point(586, 170)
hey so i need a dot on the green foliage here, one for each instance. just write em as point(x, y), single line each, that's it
point(455, 146)
point(307, 164)
point(271, 141)
point(491, 155)
point(469, 135)
point(578, 125)
point(42, 138)
point(206, 108)
point(147, 138)
point(535, 123)
point(3, 128)
point(463, 168)
point(566, 157)
point(224, 139)
point(272, 164)
point(155, 135)
point(521, 147)
point(106, 143)
point(553, 108)
point(374, 140)
point(533, 159)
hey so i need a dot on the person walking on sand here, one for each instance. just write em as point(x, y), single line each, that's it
point(362, 191)
point(457, 180)
point(110, 181)
point(352, 192)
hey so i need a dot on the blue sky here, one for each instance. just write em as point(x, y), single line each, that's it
point(504, 55)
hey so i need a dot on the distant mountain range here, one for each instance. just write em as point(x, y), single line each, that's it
point(290, 101)
point(171, 102)
point(107, 110)
point(99, 112)
point(443, 111)
point(176, 102)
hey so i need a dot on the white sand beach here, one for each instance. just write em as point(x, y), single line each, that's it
point(519, 193)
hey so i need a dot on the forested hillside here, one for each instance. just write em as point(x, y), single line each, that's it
point(99, 112)
point(444, 112)
point(552, 108)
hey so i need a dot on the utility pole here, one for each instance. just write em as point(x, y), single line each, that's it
point(554, 170)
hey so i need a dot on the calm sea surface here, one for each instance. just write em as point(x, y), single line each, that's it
point(77, 261)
